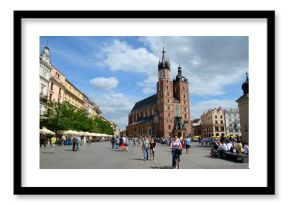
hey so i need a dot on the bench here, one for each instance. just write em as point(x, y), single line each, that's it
point(236, 157)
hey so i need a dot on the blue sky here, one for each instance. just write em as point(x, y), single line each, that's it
point(116, 72)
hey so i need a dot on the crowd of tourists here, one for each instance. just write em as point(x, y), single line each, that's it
point(148, 145)
point(120, 143)
point(71, 140)
point(229, 145)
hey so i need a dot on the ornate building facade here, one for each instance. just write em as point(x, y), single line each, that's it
point(44, 74)
point(54, 86)
point(213, 123)
point(74, 96)
point(232, 122)
point(155, 115)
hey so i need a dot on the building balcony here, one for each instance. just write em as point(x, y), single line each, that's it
point(42, 96)
point(57, 80)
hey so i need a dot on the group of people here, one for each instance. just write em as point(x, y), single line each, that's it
point(148, 146)
point(73, 140)
point(44, 141)
point(229, 145)
point(185, 143)
point(76, 143)
point(120, 143)
point(176, 145)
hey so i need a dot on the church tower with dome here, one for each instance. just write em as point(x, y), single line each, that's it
point(243, 103)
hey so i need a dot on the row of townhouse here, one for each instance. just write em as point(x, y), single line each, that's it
point(54, 86)
point(217, 122)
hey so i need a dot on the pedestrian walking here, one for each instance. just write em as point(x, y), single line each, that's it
point(42, 141)
point(145, 147)
point(113, 141)
point(74, 141)
point(53, 141)
point(117, 142)
point(79, 140)
point(152, 148)
point(187, 144)
point(176, 150)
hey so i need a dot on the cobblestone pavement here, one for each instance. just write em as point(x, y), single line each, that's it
point(102, 156)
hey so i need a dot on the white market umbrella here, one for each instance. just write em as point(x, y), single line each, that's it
point(44, 130)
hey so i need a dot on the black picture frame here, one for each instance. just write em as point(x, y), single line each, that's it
point(268, 190)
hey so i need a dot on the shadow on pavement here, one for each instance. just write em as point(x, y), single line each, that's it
point(141, 159)
point(162, 167)
point(48, 152)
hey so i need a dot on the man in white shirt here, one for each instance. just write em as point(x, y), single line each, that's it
point(222, 149)
point(229, 146)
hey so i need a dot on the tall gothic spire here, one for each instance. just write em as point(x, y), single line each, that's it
point(164, 63)
point(163, 55)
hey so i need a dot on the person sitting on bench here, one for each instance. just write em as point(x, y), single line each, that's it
point(239, 147)
point(222, 148)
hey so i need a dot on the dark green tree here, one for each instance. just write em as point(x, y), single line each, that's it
point(64, 116)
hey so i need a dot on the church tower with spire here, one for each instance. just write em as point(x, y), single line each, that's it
point(155, 115)
point(165, 95)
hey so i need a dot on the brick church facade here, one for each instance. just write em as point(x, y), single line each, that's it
point(155, 115)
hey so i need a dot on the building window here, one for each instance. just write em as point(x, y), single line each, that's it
point(42, 89)
point(168, 114)
point(221, 117)
point(185, 116)
point(169, 127)
point(216, 122)
point(50, 96)
point(167, 87)
point(59, 91)
point(183, 88)
point(51, 86)
point(222, 122)
point(184, 96)
point(168, 94)
point(215, 117)
point(168, 107)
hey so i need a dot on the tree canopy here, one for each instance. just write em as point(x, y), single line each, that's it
point(64, 116)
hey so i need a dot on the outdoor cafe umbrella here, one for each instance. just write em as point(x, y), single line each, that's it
point(46, 131)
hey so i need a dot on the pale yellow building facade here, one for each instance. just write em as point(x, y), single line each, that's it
point(74, 96)
point(213, 123)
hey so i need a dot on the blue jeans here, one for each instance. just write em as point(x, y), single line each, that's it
point(145, 153)
point(174, 156)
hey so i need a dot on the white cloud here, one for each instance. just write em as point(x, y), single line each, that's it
point(120, 56)
point(209, 63)
point(196, 110)
point(116, 107)
point(104, 83)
